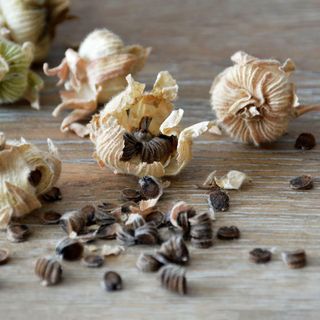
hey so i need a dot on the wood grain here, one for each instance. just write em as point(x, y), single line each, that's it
point(193, 40)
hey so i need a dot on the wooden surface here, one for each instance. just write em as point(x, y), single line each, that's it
point(193, 40)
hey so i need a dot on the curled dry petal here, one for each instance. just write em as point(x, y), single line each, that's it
point(18, 191)
point(138, 132)
point(233, 180)
point(93, 75)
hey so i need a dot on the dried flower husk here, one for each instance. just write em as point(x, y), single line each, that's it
point(254, 100)
point(18, 193)
point(93, 75)
point(49, 271)
point(17, 81)
point(34, 21)
point(138, 132)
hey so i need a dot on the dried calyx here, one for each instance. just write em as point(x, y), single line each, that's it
point(93, 75)
point(254, 100)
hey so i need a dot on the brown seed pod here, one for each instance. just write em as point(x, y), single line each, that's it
point(129, 194)
point(50, 217)
point(201, 231)
point(148, 263)
point(107, 231)
point(49, 271)
point(187, 212)
point(17, 232)
point(4, 256)
point(73, 221)
point(301, 183)
point(156, 217)
point(173, 278)
point(218, 201)
point(111, 281)
point(150, 187)
point(69, 249)
point(305, 141)
point(92, 261)
point(53, 195)
point(134, 221)
point(295, 259)
point(259, 255)
point(147, 234)
point(126, 238)
point(35, 177)
point(228, 233)
point(88, 212)
point(104, 213)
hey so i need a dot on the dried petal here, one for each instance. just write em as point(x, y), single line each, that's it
point(4, 256)
point(233, 180)
point(228, 233)
point(69, 249)
point(112, 281)
point(301, 183)
point(111, 250)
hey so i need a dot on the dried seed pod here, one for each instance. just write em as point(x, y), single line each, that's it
point(69, 249)
point(104, 213)
point(112, 281)
point(295, 259)
point(173, 278)
point(93, 261)
point(148, 263)
point(126, 238)
point(135, 221)
point(218, 201)
point(301, 183)
point(259, 255)
point(88, 212)
point(201, 231)
point(187, 212)
point(174, 250)
point(132, 139)
point(17, 232)
point(147, 234)
point(49, 271)
point(129, 194)
point(108, 231)
point(305, 141)
point(53, 195)
point(111, 250)
point(73, 221)
point(4, 256)
point(228, 233)
point(50, 217)
point(150, 187)
point(156, 217)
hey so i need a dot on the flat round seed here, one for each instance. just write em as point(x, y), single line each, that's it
point(228, 233)
point(53, 195)
point(129, 194)
point(50, 217)
point(4, 256)
point(17, 232)
point(259, 255)
point(219, 200)
point(93, 261)
point(304, 182)
point(157, 217)
point(112, 281)
point(305, 141)
point(295, 259)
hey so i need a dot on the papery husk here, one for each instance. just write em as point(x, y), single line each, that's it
point(18, 196)
point(124, 113)
point(94, 75)
point(254, 100)
point(34, 21)
point(17, 81)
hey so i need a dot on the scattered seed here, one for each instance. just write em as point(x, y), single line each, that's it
point(156, 217)
point(112, 281)
point(147, 234)
point(17, 232)
point(88, 212)
point(4, 256)
point(228, 233)
point(108, 231)
point(148, 263)
point(173, 278)
point(53, 195)
point(305, 141)
point(150, 187)
point(218, 201)
point(50, 217)
point(126, 238)
point(201, 231)
point(49, 271)
point(93, 261)
point(259, 255)
point(135, 220)
point(295, 259)
point(301, 183)
point(34, 177)
point(129, 194)
point(69, 249)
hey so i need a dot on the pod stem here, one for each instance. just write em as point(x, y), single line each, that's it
point(302, 109)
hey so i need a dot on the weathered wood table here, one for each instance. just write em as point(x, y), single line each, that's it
point(193, 40)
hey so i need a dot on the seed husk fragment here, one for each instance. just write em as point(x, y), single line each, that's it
point(228, 233)
point(201, 231)
point(304, 182)
point(70, 249)
point(112, 281)
point(295, 259)
point(148, 263)
point(34, 177)
point(147, 234)
point(18, 232)
point(259, 255)
point(50, 217)
point(218, 201)
point(53, 195)
point(129, 194)
point(305, 141)
point(93, 261)
point(49, 271)
point(4, 256)
point(173, 278)
point(150, 187)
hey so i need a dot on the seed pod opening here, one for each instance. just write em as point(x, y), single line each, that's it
point(201, 231)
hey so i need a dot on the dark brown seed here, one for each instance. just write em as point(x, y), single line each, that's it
point(108, 231)
point(156, 217)
point(228, 233)
point(147, 234)
point(49, 271)
point(129, 194)
point(148, 263)
point(35, 177)
point(73, 221)
point(201, 231)
point(69, 249)
point(126, 238)
point(17, 232)
point(305, 141)
point(53, 195)
point(173, 278)
point(259, 255)
point(134, 221)
point(150, 187)
point(218, 201)
point(88, 212)
point(93, 261)
point(301, 183)
point(112, 281)
point(50, 217)
point(4, 256)
point(295, 259)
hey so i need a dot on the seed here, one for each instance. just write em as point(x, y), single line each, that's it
point(294, 259)
point(129, 194)
point(69, 249)
point(305, 141)
point(147, 234)
point(49, 271)
point(173, 278)
point(228, 233)
point(301, 183)
point(4, 256)
point(35, 177)
point(148, 263)
point(53, 195)
point(201, 231)
point(150, 187)
point(135, 221)
point(50, 217)
point(108, 231)
point(156, 217)
point(112, 281)
point(103, 213)
point(259, 255)
point(181, 222)
point(92, 261)
point(126, 238)
point(218, 201)
point(17, 232)
point(88, 212)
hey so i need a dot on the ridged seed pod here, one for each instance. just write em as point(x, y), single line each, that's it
point(173, 278)
point(201, 231)
point(49, 271)
point(148, 263)
point(147, 234)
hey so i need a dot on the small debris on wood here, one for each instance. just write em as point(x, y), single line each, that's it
point(112, 281)
point(305, 141)
point(301, 183)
